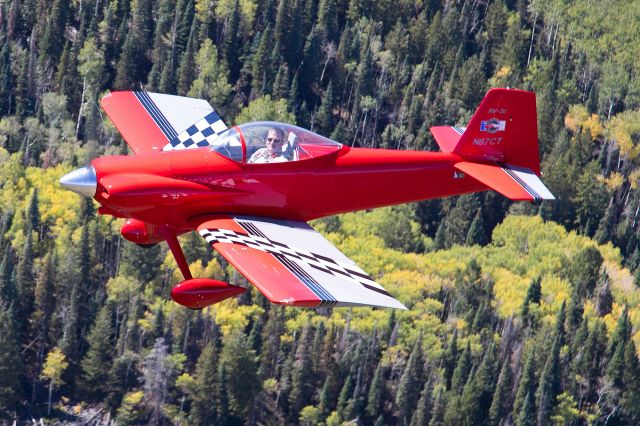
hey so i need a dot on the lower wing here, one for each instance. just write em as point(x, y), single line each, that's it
point(292, 264)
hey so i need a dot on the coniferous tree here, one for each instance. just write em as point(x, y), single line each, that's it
point(376, 393)
point(500, 400)
point(202, 410)
point(10, 364)
point(95, 364)
point(302, 373)
point(526, 392)
point(411, 379)
point(232, 41)
point(237, 360)
point(462, 370)
point(422, 414)
point(549, 385)
point(450, 358)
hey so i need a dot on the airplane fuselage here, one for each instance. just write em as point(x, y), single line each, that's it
point(176, 187)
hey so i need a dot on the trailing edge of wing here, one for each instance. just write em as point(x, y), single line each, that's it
point(292, 264)
point(515, 183)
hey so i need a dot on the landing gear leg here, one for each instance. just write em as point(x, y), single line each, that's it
point(176, 250)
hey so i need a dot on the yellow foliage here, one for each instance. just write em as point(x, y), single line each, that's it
point(501, 77)
point(578, 118)
point(624, 130)
point(594, 125)
point(133, 398)
point(634, 176)
point(575, 117)
point(231, 316)
point(55, 364)
point(613, 182)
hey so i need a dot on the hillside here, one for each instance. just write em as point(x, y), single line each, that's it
point(518, 314)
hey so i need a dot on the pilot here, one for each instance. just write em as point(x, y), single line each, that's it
point(272, 153)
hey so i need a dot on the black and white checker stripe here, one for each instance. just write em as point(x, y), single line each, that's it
point(201, 134)
point(283, 251)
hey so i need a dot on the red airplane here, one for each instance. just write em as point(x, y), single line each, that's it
point(249, 190)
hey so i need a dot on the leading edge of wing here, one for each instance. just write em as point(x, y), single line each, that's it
point(292, 264)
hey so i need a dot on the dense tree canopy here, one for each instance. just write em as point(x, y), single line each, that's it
point(518, 313)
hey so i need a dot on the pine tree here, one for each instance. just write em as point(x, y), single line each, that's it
point(549, 385)
point(52, 42)
point(458, 221)
point(8, 290)
point(310, 68)
point(411, 379)
point(621, 334)
point(302, 383)
point(439, 407)
point(422, 414)
point(134, 63)
point(630, 399)
point(376, 393)
point(96, 362)
point(231, 44)
point(202, 411)
point(239, 363)
point(187, 68)
point(526, 391)
point(534, 293)
point(324, 115)
point(450, 359)
point(25, 280)
point(261, 68)
point(527, 414)
point(477, 233)
point(462, 370)
point(501, 396)
point(6, 79)
point(343, 398)
point(10, 364)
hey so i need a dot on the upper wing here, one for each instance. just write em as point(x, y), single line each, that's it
point(515, 183)
point(292, 264)
point(151, 122)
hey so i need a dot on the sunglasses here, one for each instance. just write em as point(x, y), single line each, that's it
point(274, 140)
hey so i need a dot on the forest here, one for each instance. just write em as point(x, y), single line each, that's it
point(519, 314)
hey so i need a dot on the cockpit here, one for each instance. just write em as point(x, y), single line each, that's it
point(271, 142)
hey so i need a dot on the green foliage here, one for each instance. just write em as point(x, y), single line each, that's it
point(374, 74)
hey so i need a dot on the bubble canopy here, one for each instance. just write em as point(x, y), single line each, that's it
point(246, 142)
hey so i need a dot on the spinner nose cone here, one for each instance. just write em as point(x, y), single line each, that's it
point(81, 181)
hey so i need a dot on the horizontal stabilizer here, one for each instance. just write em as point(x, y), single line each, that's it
point(447, 137)
point(515, 183)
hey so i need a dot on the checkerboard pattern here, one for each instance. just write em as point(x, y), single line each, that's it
point(283, 251)
point(201, 134)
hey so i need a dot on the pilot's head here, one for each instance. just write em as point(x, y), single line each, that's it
point(275, 139)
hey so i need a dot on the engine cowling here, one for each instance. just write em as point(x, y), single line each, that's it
point(198, 293)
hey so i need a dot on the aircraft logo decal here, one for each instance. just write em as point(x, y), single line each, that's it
point(201, 134)
point(286, 254)
point(493, 125)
